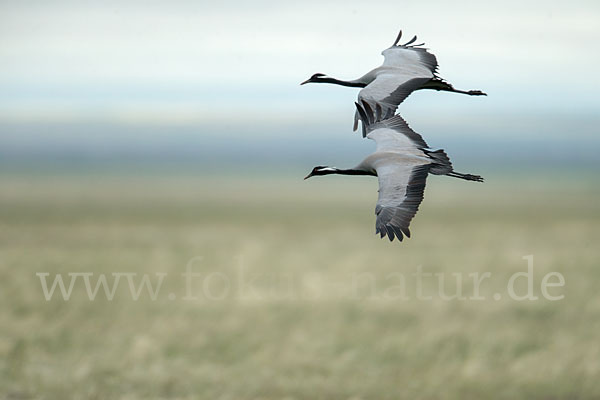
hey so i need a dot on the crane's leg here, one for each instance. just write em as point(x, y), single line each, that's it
point(467, 177)
point(438, 84)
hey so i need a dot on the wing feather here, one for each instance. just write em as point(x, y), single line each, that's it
point(409, 57)
point(390, 133)
point(389, 90)
point(401, 190)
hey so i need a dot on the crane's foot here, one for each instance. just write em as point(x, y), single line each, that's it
point(476, 93)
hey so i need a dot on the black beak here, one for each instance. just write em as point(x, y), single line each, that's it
point(306, 81)
point(308, 176)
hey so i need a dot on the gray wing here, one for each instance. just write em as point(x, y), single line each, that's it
point(401, 189)
point(390, 132)
point(400, 56)
point(393, 136)
point(407, 68)
point(390, 89)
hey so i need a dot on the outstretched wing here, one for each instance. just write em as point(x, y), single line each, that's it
point(390, 132)
point(405, 69)
point(391, 88)
point(401, 189)
point(409, 54)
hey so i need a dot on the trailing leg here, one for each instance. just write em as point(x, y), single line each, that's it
point(467, 177)
point(438, 84)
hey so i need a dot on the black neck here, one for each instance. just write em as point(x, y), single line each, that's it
point(341, 83)
point(345, 172)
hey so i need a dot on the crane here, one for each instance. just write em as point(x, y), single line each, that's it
point(406, 67)
point(402, 161)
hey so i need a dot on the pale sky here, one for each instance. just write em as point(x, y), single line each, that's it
point(205, 61)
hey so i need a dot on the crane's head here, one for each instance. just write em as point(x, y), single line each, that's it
point(319, 170)
point(315, 78)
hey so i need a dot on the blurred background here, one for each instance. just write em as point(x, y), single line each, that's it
point(136, 136)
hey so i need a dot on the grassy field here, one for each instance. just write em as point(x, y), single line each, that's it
point(296, 297)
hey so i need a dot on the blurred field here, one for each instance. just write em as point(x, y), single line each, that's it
point(299, 333)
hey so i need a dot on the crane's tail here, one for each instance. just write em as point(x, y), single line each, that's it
point(441, 164)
